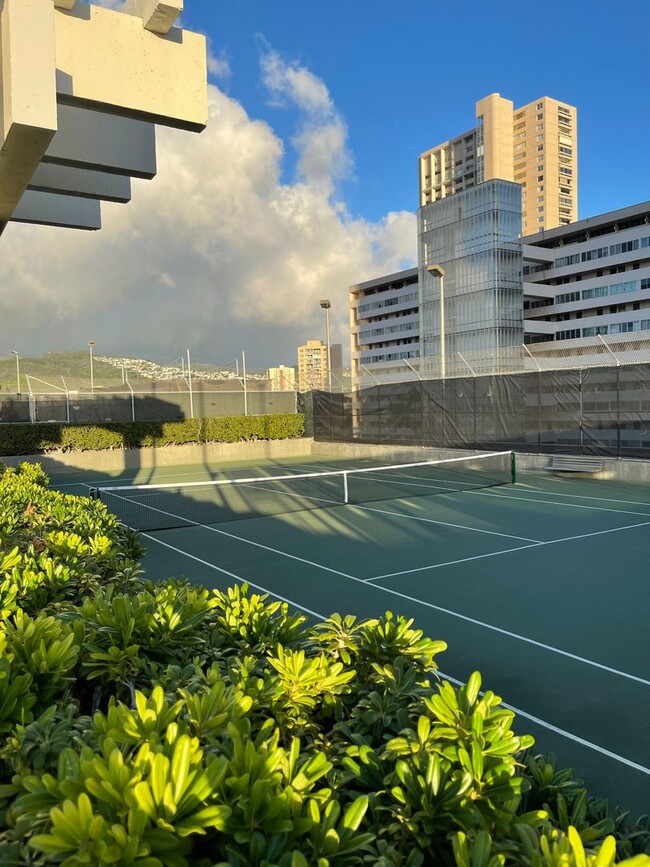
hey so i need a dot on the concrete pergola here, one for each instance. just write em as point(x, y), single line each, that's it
point(81, 91)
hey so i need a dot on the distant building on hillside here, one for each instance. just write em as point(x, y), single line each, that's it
point(313, 368)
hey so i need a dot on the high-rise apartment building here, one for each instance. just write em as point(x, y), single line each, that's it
point(535, 146)
point(282, 378)
point(312, 365)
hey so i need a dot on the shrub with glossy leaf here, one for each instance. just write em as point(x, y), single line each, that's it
point(164, 725)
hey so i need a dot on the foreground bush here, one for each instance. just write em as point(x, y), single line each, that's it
point(28, 439)
point(163, 725)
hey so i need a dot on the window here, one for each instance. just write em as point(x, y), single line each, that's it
point(566, 150)
point(541, 210)
point(540, 105)
point(567, 260)
point(540, 117)
point(628, 286)
point(624, 247)
point(540, 178)
point(540, 148)
point(598, 292)
point(565, 200)
point(540, 219)
point(540, 138)
point(565, 171)
point(540, 189)
point(645, 242)
point(562, 110)
point(645, 283)
point(540, 198)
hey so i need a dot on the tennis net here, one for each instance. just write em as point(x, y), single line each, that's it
point(184, 504)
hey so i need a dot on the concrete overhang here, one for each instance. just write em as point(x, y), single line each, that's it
point(81, 88)
point(533, 253)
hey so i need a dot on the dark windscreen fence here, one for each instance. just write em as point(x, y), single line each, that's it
point(154, 405)
point(598, 410)
point(167, 506)
point(14, 408)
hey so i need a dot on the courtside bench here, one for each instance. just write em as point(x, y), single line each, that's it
point(574, 464)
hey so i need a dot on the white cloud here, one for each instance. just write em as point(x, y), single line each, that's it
point(217, 253)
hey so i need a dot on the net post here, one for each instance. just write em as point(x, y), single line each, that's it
point(94, 493)
point(346, 498)
point(513, 468)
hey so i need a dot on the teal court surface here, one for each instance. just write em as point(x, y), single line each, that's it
point(543, 586)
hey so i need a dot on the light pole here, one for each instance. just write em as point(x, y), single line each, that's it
point(326, 304)
point(91, 343)
point(438, 271)
point(13, 352)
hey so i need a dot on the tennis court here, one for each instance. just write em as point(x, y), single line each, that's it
point(542, 585)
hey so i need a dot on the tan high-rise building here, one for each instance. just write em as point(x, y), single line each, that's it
point(535, 146)
point(312, 365)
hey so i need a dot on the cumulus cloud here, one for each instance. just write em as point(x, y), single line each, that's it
point(217, 253)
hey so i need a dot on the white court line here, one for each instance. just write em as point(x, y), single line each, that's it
point(553, 503)
point(550, 727)
point(100, 482)
point(233, 575)
point(508, 551)
point(418, 601)
point(238, 538)
point(581, 496)
point(322, 617)
point(445, 524)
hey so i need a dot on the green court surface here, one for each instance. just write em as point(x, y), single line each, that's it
point(543, 586)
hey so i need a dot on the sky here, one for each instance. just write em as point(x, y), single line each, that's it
point(305, 180)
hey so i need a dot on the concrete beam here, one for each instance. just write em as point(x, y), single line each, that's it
point(47, 209)
point(28, 115)
point(157, 16)
point(68, 181)
point(107, 60)
point(103, 142)
point(64, 4)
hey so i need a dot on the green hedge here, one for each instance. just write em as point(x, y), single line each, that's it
point(28, 439)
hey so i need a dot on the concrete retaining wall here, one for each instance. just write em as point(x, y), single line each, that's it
point(112, 460)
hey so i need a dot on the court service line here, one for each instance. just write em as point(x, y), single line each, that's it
point(322, 617)
point(564, 505)
point(582, 496)
point(507, 551)
point(576, 738)
point(445, 524)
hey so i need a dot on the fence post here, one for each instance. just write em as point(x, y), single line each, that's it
point(126, 377)
point(67, 400)
point(189, 383)
point(243, 368)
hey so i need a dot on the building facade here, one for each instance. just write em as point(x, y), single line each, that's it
point(535, 146)
point(585, 287)
point(282, 378)
point(589, 279)
point(385, 326)
point(470, 275)
point(312, 365)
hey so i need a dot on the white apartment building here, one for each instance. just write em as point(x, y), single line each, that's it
point(589, 278)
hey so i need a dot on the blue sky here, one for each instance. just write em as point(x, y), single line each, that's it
point(405, 76)
point(305, 180)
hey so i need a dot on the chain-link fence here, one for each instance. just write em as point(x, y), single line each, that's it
point(87, 408)
point(599, 351)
